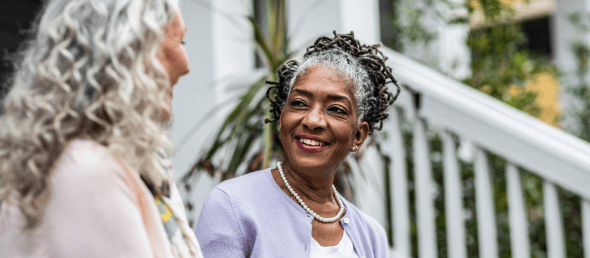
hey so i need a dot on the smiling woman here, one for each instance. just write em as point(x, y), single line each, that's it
point(326, 107)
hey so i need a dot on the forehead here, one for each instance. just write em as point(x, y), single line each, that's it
point(321, 79)
point(176, 26)
point(180, 19)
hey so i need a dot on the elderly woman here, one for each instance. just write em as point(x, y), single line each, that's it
point(326, 107)
point(83, 170)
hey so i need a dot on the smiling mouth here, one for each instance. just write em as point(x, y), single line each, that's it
point(311, 145)
point(311, 142)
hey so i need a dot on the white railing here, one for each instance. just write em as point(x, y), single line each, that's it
point(560, 159)
point(429, 97)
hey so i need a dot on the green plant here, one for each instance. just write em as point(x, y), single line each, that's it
point(240, 131)
point(498, 65)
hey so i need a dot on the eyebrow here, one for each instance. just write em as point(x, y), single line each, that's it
point(333, 97)
point(303, 92)
point(339, 97)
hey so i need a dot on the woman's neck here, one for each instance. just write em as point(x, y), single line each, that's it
point(314, 186)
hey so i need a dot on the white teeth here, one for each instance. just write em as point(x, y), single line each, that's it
point(311, 142)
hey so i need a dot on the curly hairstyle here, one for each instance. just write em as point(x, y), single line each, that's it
point(90, 71)
point(363, 67)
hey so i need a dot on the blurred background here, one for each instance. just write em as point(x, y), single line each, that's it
point(485, 153)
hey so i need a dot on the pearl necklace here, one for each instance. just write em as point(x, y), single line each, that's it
point(318, 217)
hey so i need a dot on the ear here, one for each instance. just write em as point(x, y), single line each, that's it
point(362, 132)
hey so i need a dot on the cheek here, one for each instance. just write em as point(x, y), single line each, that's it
point(345, 132)
point(284, 124)
point(175, 57)
point(166, 59)
point(288, 121)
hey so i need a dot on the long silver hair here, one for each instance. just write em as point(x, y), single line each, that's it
point(90, 71)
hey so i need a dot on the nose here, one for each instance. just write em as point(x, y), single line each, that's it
point(187, 69)
point(315, 119)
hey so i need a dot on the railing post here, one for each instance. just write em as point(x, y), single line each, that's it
point(399, 184)
point(519, 234)
point(427, 246)
point(453, 199)
point(553, 222)
point(586, 227)
point(486, 220)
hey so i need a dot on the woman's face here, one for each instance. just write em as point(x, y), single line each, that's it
point(318, 125)
point(173, 56)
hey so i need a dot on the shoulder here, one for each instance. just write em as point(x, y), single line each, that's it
point(246, 185)
point(228, 218)
point(366, 225)
point(85, 161)
point(241, 197)
point(85, 154)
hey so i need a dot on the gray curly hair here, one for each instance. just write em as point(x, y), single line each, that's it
point(360, 66)
point(91, 71)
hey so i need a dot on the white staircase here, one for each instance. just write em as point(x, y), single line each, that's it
point(559, 158)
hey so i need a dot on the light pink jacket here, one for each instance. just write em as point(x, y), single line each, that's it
point(98, 207)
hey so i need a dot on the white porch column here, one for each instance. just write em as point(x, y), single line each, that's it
point(564, 34)
point(193, 91)
point(448, 52)
point(309, 19)
point(362, 17)
point(453, 53)
point(219, 47)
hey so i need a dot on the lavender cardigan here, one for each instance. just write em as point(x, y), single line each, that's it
point(250, 216)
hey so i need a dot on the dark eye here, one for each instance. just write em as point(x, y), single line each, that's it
point(298, 103)
point(337, 110)
point(182, 42)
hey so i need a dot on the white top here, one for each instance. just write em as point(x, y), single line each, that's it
point(344, 249)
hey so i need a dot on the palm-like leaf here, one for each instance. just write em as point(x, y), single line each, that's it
point(241, 129)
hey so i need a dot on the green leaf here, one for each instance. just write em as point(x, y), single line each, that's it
point(261, 42)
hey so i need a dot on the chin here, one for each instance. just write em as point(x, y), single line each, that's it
point(164, 116)
point(311, 164)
